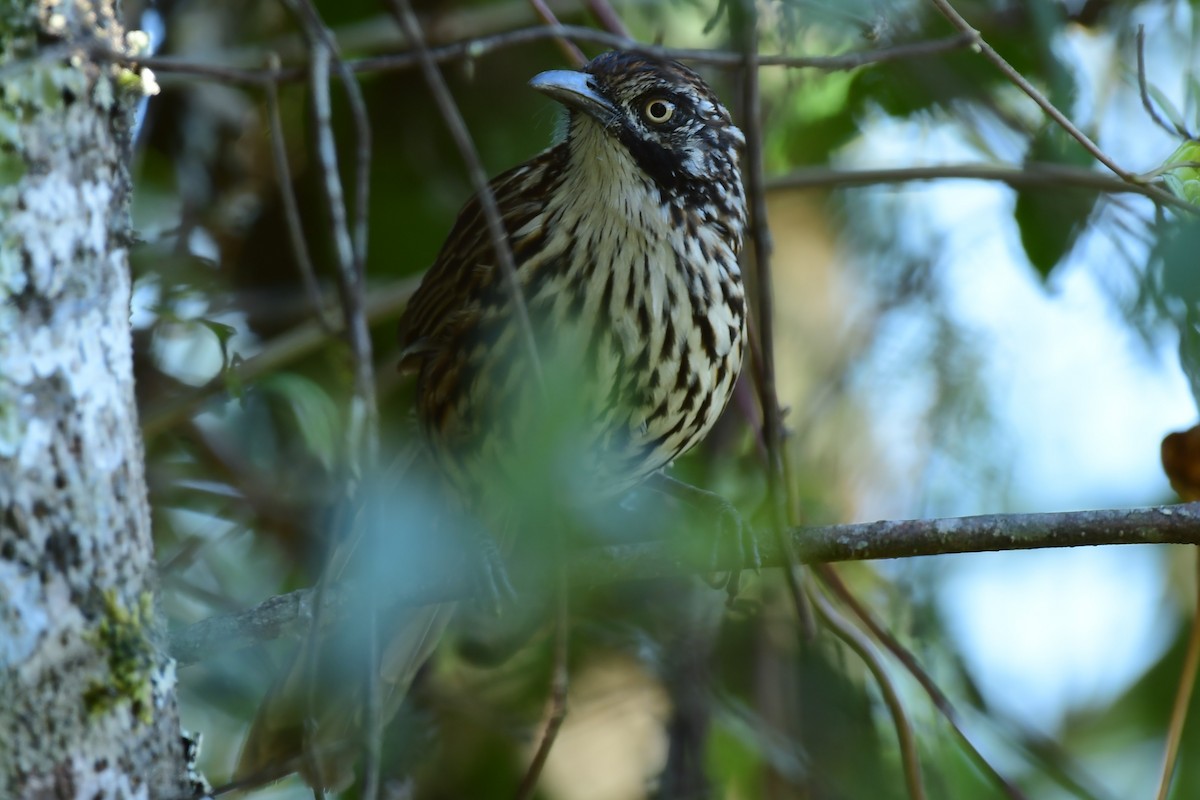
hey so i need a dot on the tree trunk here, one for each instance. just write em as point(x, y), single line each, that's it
point(87, 700)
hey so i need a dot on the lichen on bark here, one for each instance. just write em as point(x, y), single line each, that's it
point(87, 706)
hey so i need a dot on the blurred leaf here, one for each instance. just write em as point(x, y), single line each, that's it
point(1050, 220)
point(1189, 350)
point(837, 720)
point(908, 87)
point(956, 774)
point(1167, 108)
point(1174, 267)
point(316, 415)
point(1046, 22)
point(715, 18)
point(223, 333)
point(733, 761)
point(1191, 97)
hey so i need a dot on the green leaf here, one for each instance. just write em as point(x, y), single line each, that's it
point(1184, 181)
point(316, 415)
point(1189, 350)
point(1049, 219)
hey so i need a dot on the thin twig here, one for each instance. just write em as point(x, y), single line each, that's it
point(335, 207)
point(608, 18)
point(291, 209)
point(1177, 524)
point(1030, 90)
point(334, 196)
point(1183, 695)
point(909, 756)
point(478, 47)
point(572, 52)
point(1173, 128)
point(1033, 174)
point(362, 131)
point(556, 704)
point(479, 180)
point(349, 247)
point(764, 293)
point(831, 579)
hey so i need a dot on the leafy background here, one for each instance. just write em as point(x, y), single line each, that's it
point(944, 347)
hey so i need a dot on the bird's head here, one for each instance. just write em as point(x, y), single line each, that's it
point(664, 115)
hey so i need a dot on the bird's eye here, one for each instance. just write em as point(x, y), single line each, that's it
point(658, 110)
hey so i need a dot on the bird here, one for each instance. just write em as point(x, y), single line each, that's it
point(625, 237)
point(624, 337)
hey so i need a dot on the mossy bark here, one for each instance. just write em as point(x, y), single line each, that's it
point(87, 701)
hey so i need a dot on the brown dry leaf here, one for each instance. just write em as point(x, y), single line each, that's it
point(1181, 462)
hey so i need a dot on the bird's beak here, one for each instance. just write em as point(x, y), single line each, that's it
point(575, 90)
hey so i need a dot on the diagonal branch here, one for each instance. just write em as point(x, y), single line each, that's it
point(479, 178)
point(569, 49)
point(1022, 83)
point(1178, 524)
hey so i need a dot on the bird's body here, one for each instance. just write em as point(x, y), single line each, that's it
point(625, 238)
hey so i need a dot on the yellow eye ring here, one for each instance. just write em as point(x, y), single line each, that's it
point(658, 110)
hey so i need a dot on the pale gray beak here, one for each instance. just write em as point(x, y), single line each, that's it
point(575, 90)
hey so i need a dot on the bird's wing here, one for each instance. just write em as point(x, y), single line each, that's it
point(467, 265)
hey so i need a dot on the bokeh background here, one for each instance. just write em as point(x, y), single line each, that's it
point(945, 347)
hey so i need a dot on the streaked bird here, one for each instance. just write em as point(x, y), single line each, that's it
point(625, 237)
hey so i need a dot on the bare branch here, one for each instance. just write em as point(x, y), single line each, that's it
point(865, 541)
point(608, 18)
point(479, 178)
point(291, 209)
point(1032, 174)
point(572, 52)
point(350, 248)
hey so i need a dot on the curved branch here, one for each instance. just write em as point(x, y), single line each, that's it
point(857, 641)
point(1178, 524)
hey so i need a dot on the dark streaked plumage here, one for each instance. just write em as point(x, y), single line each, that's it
point(625, 236)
